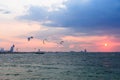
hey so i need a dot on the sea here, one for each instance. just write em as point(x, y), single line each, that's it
point(60, 66)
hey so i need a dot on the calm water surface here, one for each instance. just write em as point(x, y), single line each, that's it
point(60, 66)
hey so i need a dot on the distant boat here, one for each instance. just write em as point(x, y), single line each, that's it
point(40, 53)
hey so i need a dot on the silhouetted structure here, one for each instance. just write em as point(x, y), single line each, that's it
point(12, 48)
point(2, 50)
point(85, 50)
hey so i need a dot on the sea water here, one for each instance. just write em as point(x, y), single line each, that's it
point(60, 66)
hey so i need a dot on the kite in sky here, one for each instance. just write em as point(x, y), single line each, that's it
point(44, 41)
point(61, 42)
point(29, 38)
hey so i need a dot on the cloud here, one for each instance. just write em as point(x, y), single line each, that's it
point(35, 14)
point(51, 34)
point(90, 16)
point(3, 10)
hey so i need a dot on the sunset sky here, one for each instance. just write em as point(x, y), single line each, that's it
point(82, 24)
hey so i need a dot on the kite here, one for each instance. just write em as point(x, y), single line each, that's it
point(29, 38)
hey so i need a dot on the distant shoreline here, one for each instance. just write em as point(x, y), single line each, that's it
point(16, 52)
point(51, 52)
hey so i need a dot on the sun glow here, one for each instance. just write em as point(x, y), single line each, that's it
point(105, 44)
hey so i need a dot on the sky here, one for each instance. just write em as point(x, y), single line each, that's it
point(82, 24)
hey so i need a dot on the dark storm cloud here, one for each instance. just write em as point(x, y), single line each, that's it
point(94, 17)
